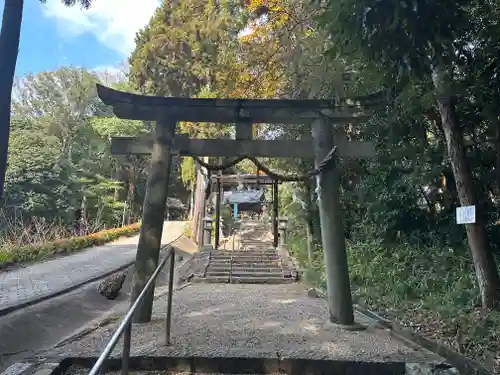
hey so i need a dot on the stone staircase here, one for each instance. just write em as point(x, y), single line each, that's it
point(253, 261)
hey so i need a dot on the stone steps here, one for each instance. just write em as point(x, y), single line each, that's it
point(244, 269)
point(212, 279)
point(259, 244)
point(245, 273)
point(255, 262)
point(267, 264)
point(242, 252)
point(260, 280)
point(243, 280)
point(244, 258)
point(251, 257)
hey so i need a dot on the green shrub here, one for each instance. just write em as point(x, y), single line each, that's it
point(431, 289)
point(30, 253)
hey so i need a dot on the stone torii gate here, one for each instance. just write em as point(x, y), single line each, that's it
point(166, 112)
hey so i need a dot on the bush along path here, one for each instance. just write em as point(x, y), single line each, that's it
point(428, 291)
point(10, 257)
point(26, 286)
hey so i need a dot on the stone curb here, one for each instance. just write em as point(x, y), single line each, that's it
point(461, 362)
point(410, 338)
point(231, 365)
point(34, 301)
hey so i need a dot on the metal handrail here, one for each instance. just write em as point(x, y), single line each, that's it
point(126, 324)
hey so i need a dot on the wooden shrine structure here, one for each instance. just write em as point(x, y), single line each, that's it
point(167, 112)
point(253, 180)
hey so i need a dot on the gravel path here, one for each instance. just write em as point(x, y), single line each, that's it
point(44, 279)
point(251, 321)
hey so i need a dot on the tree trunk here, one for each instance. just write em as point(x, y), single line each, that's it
point(309, 225)
point(84, 217)
point(498, 155)
point(199, 208)
point(124, 214)
point(127, 207)
point(130, 201)
point(191, 202)
point(484, 263)
point(9, 48)
point(197, 205)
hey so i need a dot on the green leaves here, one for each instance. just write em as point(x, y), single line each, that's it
point(108, 127)
point(402, 37)
point(183, 48)
point(60, 149)
point(83, 3)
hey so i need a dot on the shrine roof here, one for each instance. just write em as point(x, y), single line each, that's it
point(243, 196)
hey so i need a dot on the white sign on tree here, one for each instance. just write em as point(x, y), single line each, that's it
point(466, 215)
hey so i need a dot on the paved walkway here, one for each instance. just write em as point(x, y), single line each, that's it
point(29, 284)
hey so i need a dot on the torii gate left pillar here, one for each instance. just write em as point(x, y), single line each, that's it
point(153, 213)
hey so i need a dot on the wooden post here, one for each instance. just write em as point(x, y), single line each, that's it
point(148, 249)
point(217, 212)
point(166, 214)
point(309, 224)
point(332, 230)
point(201, 204)
point(275, 213)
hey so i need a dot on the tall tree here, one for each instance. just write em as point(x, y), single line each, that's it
point(58, 115)
point(65, 99)
point(186, 47)
point(9, 47)
point(404, 42)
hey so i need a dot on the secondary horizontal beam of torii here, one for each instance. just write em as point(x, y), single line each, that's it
point(251, 179)
point(185, 146)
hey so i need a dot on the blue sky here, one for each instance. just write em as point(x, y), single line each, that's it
point(101, 38)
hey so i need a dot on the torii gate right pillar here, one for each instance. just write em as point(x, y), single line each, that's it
point(332, 229)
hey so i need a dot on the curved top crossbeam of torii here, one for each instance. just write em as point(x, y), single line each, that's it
point(288, 111)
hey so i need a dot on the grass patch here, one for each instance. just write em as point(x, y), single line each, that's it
point(43, 251)
point(431, 290)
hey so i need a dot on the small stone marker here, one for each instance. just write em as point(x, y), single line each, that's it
point(466, 215)
point(110, 287)
point(315, 293)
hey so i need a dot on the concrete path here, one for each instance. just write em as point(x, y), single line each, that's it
point(25, 286)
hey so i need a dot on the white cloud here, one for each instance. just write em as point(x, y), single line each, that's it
point(113, 22)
